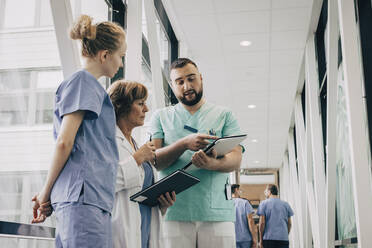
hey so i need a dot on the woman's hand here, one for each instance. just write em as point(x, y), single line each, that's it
point(165, 201)
point(41, 207)
point(145, 153)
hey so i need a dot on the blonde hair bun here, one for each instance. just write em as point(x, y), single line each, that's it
point(83, 28)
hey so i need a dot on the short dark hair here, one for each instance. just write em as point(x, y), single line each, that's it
point(123, 93)
point(181, 62)
point(234, 187)
point(273, 189)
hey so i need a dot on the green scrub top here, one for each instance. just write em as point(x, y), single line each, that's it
point(206, 200)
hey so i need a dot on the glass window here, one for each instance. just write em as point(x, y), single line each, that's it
point(344, 191)
point(49, 79)
point(19, 13)
point(146, 79)
point(26, 101)
point(29, 77)
point(13, 109)
point(44, 107)
point(163, 47)
point(14, 80)
point(98, 9)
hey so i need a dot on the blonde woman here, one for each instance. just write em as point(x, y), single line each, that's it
point(81, 181)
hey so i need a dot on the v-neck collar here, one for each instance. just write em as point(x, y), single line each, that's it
point(187, 113)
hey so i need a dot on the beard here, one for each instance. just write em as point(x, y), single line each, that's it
point(198, 96)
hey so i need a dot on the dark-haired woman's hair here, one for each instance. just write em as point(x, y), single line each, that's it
point(96, 37)
point(123, 93)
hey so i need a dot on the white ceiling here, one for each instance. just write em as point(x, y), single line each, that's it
point(264, 74)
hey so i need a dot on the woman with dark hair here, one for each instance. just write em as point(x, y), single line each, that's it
point(134, 224)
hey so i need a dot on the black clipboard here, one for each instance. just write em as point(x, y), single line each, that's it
point(178, 181)
point(222, 146)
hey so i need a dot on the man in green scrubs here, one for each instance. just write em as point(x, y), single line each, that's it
point(202, 216)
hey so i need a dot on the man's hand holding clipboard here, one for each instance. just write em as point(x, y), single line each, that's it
point(211, 157)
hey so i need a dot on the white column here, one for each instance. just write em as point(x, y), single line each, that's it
point(133, 58)
point(314, 133)
point(309, 170)
point(302, 170)
point(332, 69)
point(68, 49)
point(156, 70)
point(361, 170)
point(295, 188)
point(290, 198)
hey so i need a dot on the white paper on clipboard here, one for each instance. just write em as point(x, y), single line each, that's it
point(221, 146)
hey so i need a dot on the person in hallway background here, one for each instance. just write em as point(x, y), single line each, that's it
point(275, 220)
point(134, 224)
point(202, 215)
point(245, 228)
point(81, 181)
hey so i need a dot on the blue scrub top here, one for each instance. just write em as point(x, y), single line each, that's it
point(276, 214)
point(205, 201)
point(242, 209)
point(93, 161)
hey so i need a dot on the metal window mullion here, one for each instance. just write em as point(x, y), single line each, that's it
point(31, 113)
point(37, 17)
point(301, 157)
point(314, 131)
point(156, 70)
point(314, 215)
point(2, 13)
point(78, 9)
point(290, 198)
point(68, 49)
point(332, 71)
point(294, 204)
point(26, 196)
point(286, 178)
point(361, 171)
point(295, 184)
point(281, 181)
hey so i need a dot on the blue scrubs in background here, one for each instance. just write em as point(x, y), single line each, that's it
point(83, 193)
point(243, 234)
point(276, 214)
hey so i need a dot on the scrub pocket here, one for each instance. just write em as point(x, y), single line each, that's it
point(218, 198)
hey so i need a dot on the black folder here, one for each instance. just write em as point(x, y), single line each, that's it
point(178, 181)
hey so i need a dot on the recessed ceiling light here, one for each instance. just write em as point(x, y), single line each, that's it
point(245, 43)
point(256, 161)
point(254, 140)
point(251, 106)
